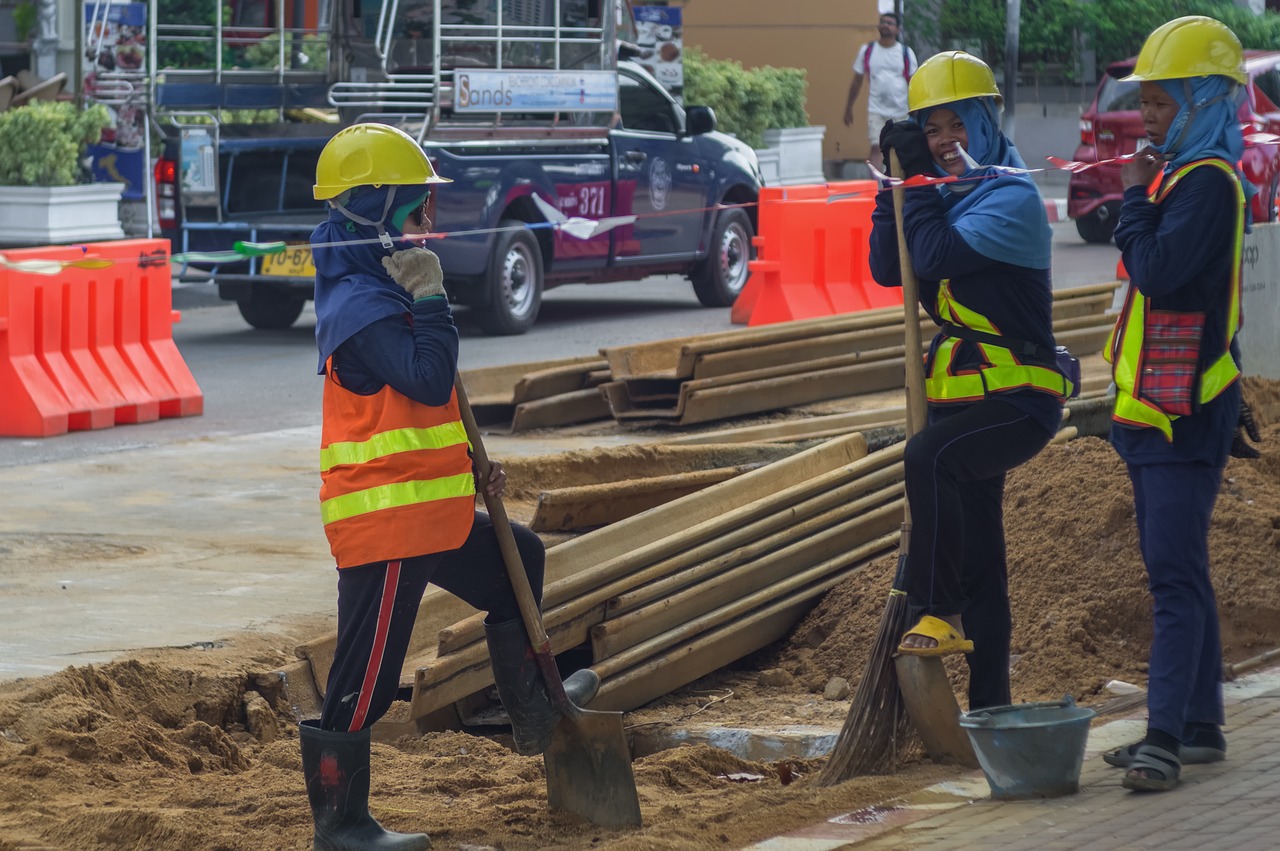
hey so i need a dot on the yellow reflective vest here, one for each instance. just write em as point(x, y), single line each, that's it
point(1001, 370)
point(1126, 347)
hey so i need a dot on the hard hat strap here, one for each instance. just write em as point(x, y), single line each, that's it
point(383, 236)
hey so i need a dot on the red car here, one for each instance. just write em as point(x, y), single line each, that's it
point(1112, 126)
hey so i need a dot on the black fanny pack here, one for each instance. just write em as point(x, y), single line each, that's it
point(1060, 358)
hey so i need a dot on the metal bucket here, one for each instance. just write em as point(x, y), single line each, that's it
point(1030, 750)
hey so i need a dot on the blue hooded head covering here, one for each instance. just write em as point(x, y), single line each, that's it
point(1206, 124)
point(1001, 216)
point(353, 290)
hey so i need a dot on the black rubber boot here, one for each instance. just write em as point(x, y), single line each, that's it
point(336, 768)
point(520, 686)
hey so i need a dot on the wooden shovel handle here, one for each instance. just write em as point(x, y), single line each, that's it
point(529, 611)
point(916, 406)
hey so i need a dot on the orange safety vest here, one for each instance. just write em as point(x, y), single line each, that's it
point(396, 476)
point(1125, 349)
point(1001, 371)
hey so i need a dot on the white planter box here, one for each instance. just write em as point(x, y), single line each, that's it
point(770, 166)
point(799, 154)
point(57, 215)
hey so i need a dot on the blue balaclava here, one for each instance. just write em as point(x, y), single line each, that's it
point(353, 290)
point(1207, 125)
point(999, 215)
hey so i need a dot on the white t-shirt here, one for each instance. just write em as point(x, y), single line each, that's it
point(886, 88)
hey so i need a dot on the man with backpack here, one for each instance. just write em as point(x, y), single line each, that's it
point(887, 65)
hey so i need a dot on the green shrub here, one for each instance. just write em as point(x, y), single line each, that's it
point(746, 102)
point(44, 143)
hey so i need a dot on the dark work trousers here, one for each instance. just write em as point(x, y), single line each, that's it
point(1174, 504)
point(378, 603)
point(955, 472)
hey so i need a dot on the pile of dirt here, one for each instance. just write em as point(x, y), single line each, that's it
point(190, 750)
point(196, 749)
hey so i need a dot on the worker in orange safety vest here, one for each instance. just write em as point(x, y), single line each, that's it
point(398, 490)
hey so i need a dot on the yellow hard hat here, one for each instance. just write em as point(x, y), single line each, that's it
point(951, 76)
point(1193, 46)
point(371, 155)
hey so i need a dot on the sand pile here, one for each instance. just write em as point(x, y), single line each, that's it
point(195, 749)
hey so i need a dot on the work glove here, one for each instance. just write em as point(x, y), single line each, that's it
point(417, 270)
point(1246, 425)
point(908, 140)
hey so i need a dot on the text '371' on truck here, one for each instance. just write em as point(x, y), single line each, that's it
point(524, 104)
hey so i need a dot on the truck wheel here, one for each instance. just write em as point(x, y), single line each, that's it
point(719, 279)
point(271, 310)
point(1098, 225)
point(513, 282)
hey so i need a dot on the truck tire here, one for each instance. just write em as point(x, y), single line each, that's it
point(719, 279)
point(271, 310)
point(513, 282)
point(1099, 224)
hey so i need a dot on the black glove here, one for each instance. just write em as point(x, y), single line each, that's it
point(908, 140)
point(1246, 425)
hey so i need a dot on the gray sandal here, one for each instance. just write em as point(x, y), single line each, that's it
point(1153, 769)
point(1189, 754)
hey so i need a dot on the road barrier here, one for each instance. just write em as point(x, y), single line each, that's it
point(91, 348)
point(812, 255)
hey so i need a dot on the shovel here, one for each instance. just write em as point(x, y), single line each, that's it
point(588, 761)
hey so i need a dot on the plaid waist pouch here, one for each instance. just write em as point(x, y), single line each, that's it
point(1170, 377)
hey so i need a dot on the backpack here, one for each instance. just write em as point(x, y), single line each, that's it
point(866, 62)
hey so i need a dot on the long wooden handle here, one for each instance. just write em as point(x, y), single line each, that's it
point(529, 611)
point(917, 412)
point(916, 405)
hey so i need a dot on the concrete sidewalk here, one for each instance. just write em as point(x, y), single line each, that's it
point(174, 545)
point(1228, 805)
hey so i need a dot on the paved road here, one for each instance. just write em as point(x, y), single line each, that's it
point(258, 381)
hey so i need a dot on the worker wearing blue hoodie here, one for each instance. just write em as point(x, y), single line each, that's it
point(1176, 364)
point(981, 249)
point(398, 489)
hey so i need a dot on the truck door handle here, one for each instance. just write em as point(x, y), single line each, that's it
point(635, 156)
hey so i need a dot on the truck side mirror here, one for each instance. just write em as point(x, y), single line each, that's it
point(699, 120)
point(627, 50)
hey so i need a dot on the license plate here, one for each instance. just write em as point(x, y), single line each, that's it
point(295, 262)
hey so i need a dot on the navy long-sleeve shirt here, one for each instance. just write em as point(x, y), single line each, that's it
point(1179, 255)
point(416, 355)
point(1017, 300)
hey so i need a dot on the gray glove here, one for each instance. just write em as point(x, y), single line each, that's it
point(417, 270)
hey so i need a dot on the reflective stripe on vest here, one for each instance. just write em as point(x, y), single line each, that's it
point(1124, 349)
point(1002, 372)
point(396, 476)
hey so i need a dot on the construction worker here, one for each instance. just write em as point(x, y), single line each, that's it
point(398, 493)
point(981, 249)
point(1175, 361)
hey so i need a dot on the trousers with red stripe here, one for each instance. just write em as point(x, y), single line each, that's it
point(378, 604)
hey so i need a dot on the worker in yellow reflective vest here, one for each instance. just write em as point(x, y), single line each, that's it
point(981, 249)
point(1175, 361)
point(398, 490)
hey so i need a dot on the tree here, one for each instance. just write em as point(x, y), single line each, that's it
point(1052, 30)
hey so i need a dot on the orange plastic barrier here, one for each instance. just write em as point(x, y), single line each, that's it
point(812, 255)
point(90, 348)
point(145, 336)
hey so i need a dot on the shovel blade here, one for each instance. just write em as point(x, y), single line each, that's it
point(589, 769)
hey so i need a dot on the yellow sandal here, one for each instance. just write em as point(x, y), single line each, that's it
point(949, 641)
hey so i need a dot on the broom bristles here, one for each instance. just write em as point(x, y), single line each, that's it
point(876, 730)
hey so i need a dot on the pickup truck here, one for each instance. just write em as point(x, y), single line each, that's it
point(692, 190)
